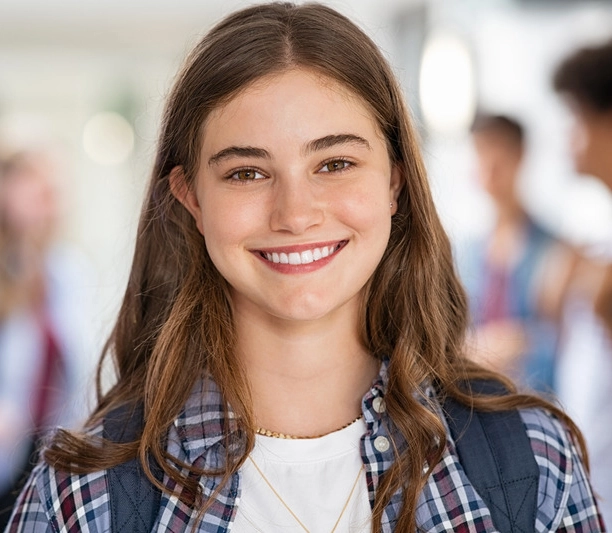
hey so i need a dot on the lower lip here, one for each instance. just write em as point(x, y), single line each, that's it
point(286, 268)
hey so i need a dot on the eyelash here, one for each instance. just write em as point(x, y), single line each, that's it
point(232, 176)
point(337, 160)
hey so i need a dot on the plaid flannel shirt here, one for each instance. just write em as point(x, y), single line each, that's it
point(56, 502)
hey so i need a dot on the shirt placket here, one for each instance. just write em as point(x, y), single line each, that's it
point(377, 452)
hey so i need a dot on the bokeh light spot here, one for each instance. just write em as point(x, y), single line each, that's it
point(108, 138)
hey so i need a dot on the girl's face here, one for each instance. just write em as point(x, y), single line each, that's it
point(293, 196)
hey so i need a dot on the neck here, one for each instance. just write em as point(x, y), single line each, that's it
point(510, 213)
point(306, 378)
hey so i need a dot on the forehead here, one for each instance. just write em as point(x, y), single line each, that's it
point(295, 96)
point(495, 141)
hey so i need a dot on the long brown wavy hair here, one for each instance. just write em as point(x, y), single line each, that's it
point(175, 324)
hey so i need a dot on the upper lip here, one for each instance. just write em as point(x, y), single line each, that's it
point(298, 248)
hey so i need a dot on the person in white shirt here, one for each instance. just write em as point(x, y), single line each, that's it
point(584, 369)
point(45, 328)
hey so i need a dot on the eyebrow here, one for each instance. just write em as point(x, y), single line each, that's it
point(333, 140)
point(238, 151)
point(313, 146)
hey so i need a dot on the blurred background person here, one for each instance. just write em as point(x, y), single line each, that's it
point(584, 379)
point(585, 82)
point(507, 273)
point(44, 321)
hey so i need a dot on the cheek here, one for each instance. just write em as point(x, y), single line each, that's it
point(579, 139)
point(581, 144)
point(367, 210)
point(225, 224)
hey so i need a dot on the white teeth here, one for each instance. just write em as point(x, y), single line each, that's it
point(303, 258)
point(307, 257)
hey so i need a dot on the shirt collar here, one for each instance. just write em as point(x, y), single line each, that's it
point(200, 426)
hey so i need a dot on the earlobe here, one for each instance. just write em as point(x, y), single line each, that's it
point(184, 194)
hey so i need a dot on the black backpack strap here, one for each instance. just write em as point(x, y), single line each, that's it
point(134, 501)
point(497, 457)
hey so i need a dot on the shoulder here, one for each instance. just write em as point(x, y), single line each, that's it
point(29, 512)
point(66, 264)
point(565, 498)
point(54, 500)
point(565, 501)
point(540, 233)
point(57, 501)
point(469, 255)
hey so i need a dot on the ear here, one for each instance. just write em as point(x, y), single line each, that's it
point(395, 187)
point(186, 195)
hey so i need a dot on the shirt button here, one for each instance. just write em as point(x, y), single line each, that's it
point(381, 444)
point(379, 405)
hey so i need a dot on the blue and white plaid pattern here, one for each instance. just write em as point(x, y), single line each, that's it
point(57, 502)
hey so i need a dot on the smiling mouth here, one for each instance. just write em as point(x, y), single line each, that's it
point(304, 257)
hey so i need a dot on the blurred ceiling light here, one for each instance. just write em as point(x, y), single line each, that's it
point(446, 84)
point(108, 138)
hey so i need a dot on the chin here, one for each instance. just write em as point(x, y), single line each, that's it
point(302, 313)
point(309, 311)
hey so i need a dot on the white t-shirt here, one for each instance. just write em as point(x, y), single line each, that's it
point(313, 476)
point(584, 387)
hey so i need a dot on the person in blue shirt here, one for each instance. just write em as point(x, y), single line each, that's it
point(508, 273)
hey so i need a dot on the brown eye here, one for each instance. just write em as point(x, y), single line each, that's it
point(335, 166)
point(246, 174)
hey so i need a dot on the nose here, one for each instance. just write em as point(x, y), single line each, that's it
point(296, 206)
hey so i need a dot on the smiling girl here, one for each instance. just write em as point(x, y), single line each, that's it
point(293, 322)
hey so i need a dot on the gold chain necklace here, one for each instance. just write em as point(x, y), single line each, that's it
point(277, 435)
point(289, 508)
